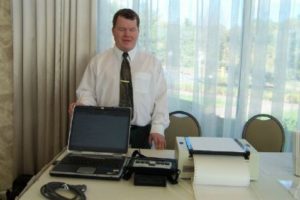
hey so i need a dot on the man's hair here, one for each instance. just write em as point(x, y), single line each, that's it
point(128, 14)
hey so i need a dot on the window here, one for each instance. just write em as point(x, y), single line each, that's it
point(225, 61)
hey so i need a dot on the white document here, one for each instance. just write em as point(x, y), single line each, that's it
point(215, 144)
point(221, 170)
point(220, 173)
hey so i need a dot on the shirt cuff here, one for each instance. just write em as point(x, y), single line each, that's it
point(156, 128)
point(86, 101)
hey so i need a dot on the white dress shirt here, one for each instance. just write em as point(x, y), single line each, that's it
point(100, 86)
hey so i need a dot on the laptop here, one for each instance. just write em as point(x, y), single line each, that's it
point(97, 144)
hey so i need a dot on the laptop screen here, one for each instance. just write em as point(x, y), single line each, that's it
point(100, 129)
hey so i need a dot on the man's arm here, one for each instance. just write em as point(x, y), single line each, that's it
point(85, 92)
point(160, 116)
point(71, 108)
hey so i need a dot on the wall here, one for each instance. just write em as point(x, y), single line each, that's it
point(6, 96)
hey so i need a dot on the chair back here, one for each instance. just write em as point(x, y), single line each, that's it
point(265, 133)
point(181, 124)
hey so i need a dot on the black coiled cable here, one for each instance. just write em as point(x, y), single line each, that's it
point(49, 191)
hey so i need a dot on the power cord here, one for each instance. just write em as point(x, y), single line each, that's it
point(49, 191)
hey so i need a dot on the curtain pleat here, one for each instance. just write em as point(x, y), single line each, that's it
point(281, 55)
point(17, 82)
point(173, 49)
point(244, 65)
point(6, 97)
point(41, 81)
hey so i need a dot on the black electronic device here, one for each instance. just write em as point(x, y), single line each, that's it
point(151, 171)
point(147, 180)
point(152, 163)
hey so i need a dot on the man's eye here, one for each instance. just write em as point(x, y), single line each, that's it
point(132, 30)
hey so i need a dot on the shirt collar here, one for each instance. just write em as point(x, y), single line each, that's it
point(119, 53)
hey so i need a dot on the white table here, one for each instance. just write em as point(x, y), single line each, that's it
point(274, 169)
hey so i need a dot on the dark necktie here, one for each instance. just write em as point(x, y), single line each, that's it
point(126, 93)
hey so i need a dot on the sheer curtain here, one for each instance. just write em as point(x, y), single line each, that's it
point(52, 42)
point(225, 61)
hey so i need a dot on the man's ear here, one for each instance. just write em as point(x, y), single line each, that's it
point(112, 31)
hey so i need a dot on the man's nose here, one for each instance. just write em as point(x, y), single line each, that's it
point(127, 32)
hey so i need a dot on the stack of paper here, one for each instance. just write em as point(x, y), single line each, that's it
point(221, 170)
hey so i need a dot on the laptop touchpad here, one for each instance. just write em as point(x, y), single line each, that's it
point(86, 170)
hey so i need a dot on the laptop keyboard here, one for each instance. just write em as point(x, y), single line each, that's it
point(105, 162)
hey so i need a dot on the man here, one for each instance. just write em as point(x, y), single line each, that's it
point(101, 83)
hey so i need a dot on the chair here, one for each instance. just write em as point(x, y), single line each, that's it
point(181, 124)
point(265, 133)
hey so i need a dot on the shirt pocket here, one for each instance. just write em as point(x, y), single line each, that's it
point(142, 82)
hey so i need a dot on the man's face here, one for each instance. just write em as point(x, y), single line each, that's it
point(125, 33)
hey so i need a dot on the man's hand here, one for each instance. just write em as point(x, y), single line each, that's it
point(158, 140)
point(71, 108)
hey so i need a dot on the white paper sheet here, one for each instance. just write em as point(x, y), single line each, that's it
point(215, 144)
point(221, 170)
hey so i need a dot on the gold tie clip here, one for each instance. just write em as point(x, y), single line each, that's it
point(124, 81)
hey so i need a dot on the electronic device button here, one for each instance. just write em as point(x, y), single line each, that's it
point(152, 163)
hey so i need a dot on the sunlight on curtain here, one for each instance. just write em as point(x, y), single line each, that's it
point(225, 61)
